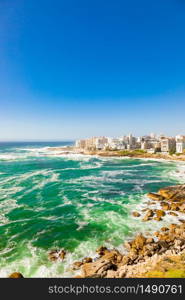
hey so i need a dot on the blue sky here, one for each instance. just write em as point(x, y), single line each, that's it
point(77, 68)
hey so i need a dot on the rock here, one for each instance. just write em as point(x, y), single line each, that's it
point(111, 274)
point(172, 213)
point(182, 221)
point(163, 244)
point(125, 260)
point(77, 265)
point(101, 250)
point(136, 214)
point(139, 242)
point(155, 196)
point(87, 260)
point(149, 240)
point(62, 254)
point(57, 254)
point(157, 218)
point(164, 229)
point(128, 245)
point(176, 192)
point(156, 233)
point(16, 275)
point(172, 226)
point(148, 215)
point(165, 206)
point(160, 213)
point(174, 206)
point(97, 268)
point(182, 207)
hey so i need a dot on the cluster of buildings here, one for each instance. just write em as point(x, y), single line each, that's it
point(150, 143)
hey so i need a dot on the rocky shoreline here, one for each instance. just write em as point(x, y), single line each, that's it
point(159, 255)
point(118, 153)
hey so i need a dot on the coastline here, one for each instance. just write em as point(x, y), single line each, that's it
point(159, 255)
point(117, 154)
point(64, 255)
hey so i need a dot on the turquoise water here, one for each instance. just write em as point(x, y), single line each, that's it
point(50, 200)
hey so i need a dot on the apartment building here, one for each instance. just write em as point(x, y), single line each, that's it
point(180, 143)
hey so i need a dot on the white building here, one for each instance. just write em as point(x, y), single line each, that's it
point(168, 144)
point(116, 144)
point(101, 143)
point(180, 143)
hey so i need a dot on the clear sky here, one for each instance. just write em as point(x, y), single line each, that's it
point(77, 68)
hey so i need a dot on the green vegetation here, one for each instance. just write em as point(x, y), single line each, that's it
point(173, 273)
point(172, 152)
point(131, 152)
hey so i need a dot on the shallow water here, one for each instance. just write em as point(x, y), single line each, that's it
point(75, 202)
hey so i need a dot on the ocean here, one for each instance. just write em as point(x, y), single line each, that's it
point(50, 200)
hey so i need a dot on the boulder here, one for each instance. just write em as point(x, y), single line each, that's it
point(97, 269)
point(101, 250)
point(175, 193)
point(148, 215)
point(139, 242)
point(62, 254)
point(57, 254)
point(174, 206)
point(157, 218)
point(165, 206)
point(87, 260)
point(164, 229)
point(16, 275)
point(160, 213)
point(136, 214)
point(171, 213)
point(155, 196)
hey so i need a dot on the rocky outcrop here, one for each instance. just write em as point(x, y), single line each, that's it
point(142, 255)
point(146, 256)
point(175, 193)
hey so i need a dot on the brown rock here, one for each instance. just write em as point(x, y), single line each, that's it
point(111, 274)
point(182, 221)
point(157, 218)
point(148, 215)
point(16, 275)
point(87, 260)
point(77, 265)
point(165, 206)
point(175, 193)
point(149, 240)
point(174, 206)
point(97, 269)
point(156, 233)
point(136, 214)
point(172, 213)
point(128, 245)
point(62, 254)
point(56, 254)
point(155, 196)
point(101, 250)
point(160, 213)
point(172, 226)
point(125, 260)
point(164, 229)
point(139, 242)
